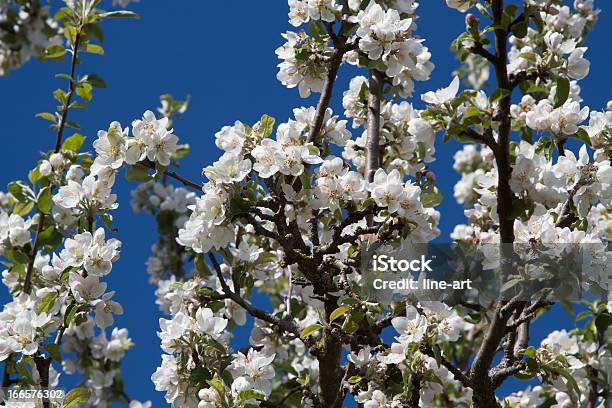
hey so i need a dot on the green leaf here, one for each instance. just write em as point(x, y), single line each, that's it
point(94, 49)
point(23, 208)
point(77, 105)
point(350, 326)
point(520, 29)
point(266, 125)
point(431, 197)
point(59, 95)
point(470, 112)
point(317, 31)
point(341, 311)
point(16, 256)
point(354, 379)
point(313, 328)
point(54, 51)
point(529, 351)
point(50, 237)
point(48, 116)
point(84, 91)
point(570, 379)
point(582, 134)
point(239, 205)
point(500, 93)
point(266, 257)
point(119, 14)
point(34, 175)
point(483, 10)
point(350, 301)
point(78, 395)
point(529, 56)
point(537, 89)
point(21, 191)
point(603, 322)
point(70, 33)
point(201, 266)
point(45, 201)
point(71, 310)
point(47, 302)
point(200, 374)
point(73, 143)
point(54, 351)
point(95, 80)
point(218, 386)
point(94, 31)
point(251, 394)
point(24, 373)
point(138, 173)
point(379, 65)
point(107, 219)
point(562, 92)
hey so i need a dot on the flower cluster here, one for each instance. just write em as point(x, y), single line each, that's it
point(302, 63)
point(302, 11)
point(383, 37)
point(28, 29)
point(561, 33)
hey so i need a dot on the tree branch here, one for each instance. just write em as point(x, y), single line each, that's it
point(478, 49)
point(459, 375)
point(375, 82)
point(328, 86)
point(286, 325)
point(567, 217)
point(71, 89)
point(176, 176)
point(415, 390)
point(27, 284)
point(486, 138)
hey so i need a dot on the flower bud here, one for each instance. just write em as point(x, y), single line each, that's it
point(431, 177)
point(471, 25)
point(57, 161)
point(45, 168)
point(471, 20)
point(381, 369)
point(75, 173)
point(154, 200)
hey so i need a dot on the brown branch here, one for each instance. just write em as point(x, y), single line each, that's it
point(197, 187)
point(375, 82)
point(522, 76)
point(174, 175)
point(27, 284)
point(261, 230)
point(498, 376)
point(478, 49)
point(567, 217)
point(415, 390)
point(71, 89)
point(459, 375)
point(486, 138)
point(286, 325)
point(483, 386)
point(522, 341)
point(328, 86)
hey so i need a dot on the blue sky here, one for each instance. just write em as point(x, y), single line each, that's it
point(222, 54)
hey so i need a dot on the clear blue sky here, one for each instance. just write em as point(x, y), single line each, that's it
point(222, 54)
